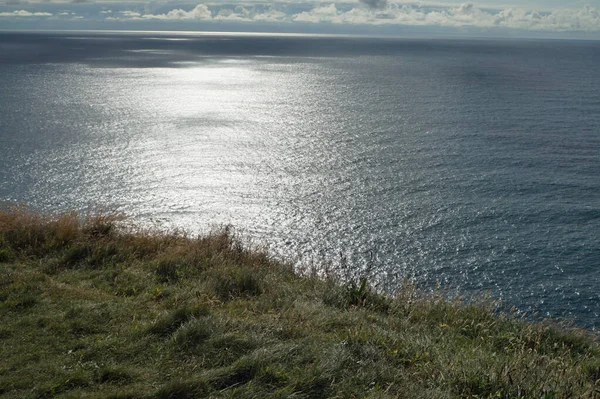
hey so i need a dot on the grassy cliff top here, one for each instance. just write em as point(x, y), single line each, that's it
point(88, 309)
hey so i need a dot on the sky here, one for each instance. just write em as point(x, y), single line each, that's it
point(527, 18)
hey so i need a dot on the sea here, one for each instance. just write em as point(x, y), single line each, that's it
point(466, 167)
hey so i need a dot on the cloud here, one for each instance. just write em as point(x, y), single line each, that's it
point(130, 14)
point(239, 13)
point(376, 4)
point(328, 13)
point(270, 16)
point(203, 13)
point(24, 13)
point(464, 15)
point(382, 12)
point(200, 12)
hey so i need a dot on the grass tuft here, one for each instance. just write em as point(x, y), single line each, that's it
point(180, 389)
point(170, 322)
point(31, 233)
point(192, 334)
point(5, 255)
point(241, 372)
point(167, 271)
point(238, 282)
point(113, 375)
point(356, 294)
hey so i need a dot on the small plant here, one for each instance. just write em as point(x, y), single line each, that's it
point(241, 372)
point(101, 224)
point(192, 334)
point(76, 255)
point(478, 385)
point(357, 294)
point(172, 321)
point(183, 389)
point(113, 375)
point(238, 282)
point(166, 271)
point(230, 347)
point(5, 255)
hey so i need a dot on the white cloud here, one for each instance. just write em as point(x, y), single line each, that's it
point(200, 12)
point(239, 13)
point(387, 13)
point(465, 15)
point(130, 14)
point(24, 13)
point(328, 13)
point(270, 16)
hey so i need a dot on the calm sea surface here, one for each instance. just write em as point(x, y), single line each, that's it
point(474, 165)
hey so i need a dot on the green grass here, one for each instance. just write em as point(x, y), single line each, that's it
point(91, 309)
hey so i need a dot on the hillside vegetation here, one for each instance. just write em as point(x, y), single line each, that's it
point(91, 309)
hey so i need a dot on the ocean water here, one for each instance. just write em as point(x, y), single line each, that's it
point(471, 165)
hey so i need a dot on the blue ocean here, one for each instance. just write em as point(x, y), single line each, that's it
point(470, 167)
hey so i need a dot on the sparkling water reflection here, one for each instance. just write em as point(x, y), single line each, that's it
point(473, 165)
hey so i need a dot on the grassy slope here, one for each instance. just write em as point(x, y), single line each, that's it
point(88, 311)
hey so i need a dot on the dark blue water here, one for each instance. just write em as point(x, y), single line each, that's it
point(469, 164)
